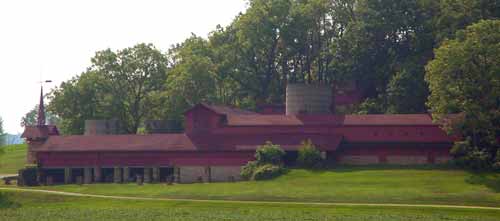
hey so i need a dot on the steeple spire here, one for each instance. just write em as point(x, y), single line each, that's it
point(41, 110)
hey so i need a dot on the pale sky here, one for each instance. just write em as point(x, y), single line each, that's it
point(56, 39)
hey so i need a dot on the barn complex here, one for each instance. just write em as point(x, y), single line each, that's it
point(218, 140)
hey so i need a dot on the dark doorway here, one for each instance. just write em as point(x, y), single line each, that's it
point(290, 158)
point(136, 171)
point(76, 172)
point(56, 174)
point(107, 174)
point(166, 174)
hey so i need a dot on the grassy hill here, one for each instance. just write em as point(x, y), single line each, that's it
point(13, 159)
point(39, 206)
point(347, 184)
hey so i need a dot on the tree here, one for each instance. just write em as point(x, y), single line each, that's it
point(82, 98)
point(464, 78)
point(122, 85)
point(2, 135)
point(31, 117)
point(192, 77)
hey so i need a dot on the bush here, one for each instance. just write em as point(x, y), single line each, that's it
point(269, 153)
point(269, 163)
point(308, 156)
point(248, 170)
point(268, 171)
point(460, 148)
point(28, 177)
point(475, 159)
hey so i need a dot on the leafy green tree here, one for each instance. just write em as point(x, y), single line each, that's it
point(82, 98)
point(124, 85)
point(454, 15)
point(464, 78)
point(2, 135)
point(192, 77)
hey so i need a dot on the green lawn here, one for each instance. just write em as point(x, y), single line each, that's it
point(38, 206)
point(13, 159)
point(352, 184)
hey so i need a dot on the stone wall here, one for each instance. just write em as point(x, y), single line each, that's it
point(442, 160)
point(358, 160)
point(392, 160)
point(195, 174)
point(192, 174)
point(225, 173)
point(407, 160)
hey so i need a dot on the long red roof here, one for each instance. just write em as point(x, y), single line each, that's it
point(290, 140)
point(153, 142)
point(331, 120)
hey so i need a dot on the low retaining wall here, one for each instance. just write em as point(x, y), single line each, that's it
point(194, 174)
point(225, 173)
point(407, 160)
point(358, 160)
point(394, 160)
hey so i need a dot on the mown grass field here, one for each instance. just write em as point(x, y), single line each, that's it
point(39, 206)
point(13, 159)
point(350, 184)
point(368, 184)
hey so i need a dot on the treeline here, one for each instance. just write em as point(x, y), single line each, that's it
point(406, 56)
point(382, 45)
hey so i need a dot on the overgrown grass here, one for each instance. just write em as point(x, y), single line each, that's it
point(349, 184)
point(38, 206)
point(13, 158)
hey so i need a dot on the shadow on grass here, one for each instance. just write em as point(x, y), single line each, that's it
point(6, 203)
point(490, 180)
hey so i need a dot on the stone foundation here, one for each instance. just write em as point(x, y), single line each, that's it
point(358, 160)
point(67, 175)
point(117, 175)
point(193, 174)
point(407, 160)
point(87, 175)
point(97, 174)
point(394, 160)
point(126, 174)
point(225, 173)
point(147, 175)
point(155, 174)
point(442, 160)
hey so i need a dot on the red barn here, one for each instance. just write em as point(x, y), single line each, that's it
point(218, 140)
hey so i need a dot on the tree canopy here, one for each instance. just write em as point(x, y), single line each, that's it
point(382, 46)
point(2, 134)
point(122, 85)
point(31, 117)
point(464, 78)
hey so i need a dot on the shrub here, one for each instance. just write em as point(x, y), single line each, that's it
point(475, 159)
point(269, 153)
point(309, 156)
point(460, 148)
point(267, 171)
point(248, 170)
point(28, 176)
